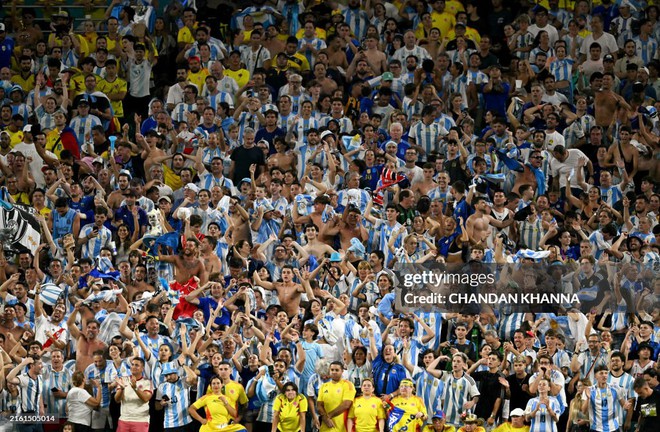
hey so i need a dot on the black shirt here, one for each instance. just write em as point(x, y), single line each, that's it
point(646, 410)
point(243, 158)
point(490, 389)
point(518, 388)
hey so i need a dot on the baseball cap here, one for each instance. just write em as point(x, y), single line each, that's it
point(438, 414)
point(193, 187)
point(246, 180)
point(608, 57)
point(192, 58)
point(83, 101)
point(644, 69)
point(61, 14)
point(460, 24)
point(27, 128)
point(518, 412)
point(99, 160)
point(388, 76)
point(2, 27)
point(326, 133)
point(166, 198)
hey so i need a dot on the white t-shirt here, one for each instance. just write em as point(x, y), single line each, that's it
point(78, 411)
point(560, 169)
point(133, 409)
point(606, 41)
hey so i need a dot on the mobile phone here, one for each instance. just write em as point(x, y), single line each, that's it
point(54, 389)
point(271, 370)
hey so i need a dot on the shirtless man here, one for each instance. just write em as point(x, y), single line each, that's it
point(314, 246)
point(139, 283)
point(288, 292)
point(115, 198)
point(188, 264)
point(336, 52)
point(316, 217)
point(239, 218)
point(377, 59)
point(348, 227)
point(211, 261)
point(478, 224)
point(428, 184)
point(86, 343)
point(607, 102)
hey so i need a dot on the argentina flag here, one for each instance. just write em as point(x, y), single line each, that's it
point(19, 229)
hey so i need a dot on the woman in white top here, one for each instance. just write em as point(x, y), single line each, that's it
point(80, 404)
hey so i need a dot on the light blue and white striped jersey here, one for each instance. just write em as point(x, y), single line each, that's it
point(153, 344)
point(316, 43)
point(291, 11)
point(285, 121)
point(459, 85)
point(357, 197)
point(402, 53)
point(612, 194)
point(69, 59)
point(602, 407)
point(83, 126)
point(30, 393)
point(625, 383)
point(646, 50)
point(456, 393)
point(208, 180)
point(139, 77)
point(60, 380)
point(428, 388)
point(105, 377)
point(428, 136)
point(345, 124)
point(215, 99)
point(301, 126)
point(531, 233)
point(46, 120)
point(542, 422)
point(433, 320)
point(30, 97)
point(246, 120)
point(509, 323)
point(623, 28)
point(176, 412)
point(92, 247)
point(538, 50)
point(587, 360)
point(216, 52)
point(578, 129)
point(416, 349)
point(557, 378)
point(99, 71)
point(599, 244)
point(357, 20)
point(562, 70)
point(562, 15)
point(180, 110)
point(384, 232)
point(22, 109)
point(370, 290)
point(524, 41)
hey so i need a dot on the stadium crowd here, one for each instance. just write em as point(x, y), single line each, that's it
point(213, 216)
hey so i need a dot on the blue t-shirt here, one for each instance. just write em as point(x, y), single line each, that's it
point(6, 50)
point(208, 305)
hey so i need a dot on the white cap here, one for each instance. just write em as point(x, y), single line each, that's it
point(2, 27)
point(193, 187)
point(99, 160)
point(27, 128)
point(326, 133)
point(517, 412)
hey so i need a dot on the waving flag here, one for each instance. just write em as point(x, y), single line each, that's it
point(528, 253)
point(170, 239)
point(19, 229)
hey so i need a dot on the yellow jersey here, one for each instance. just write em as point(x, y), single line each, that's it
point(217, 415)
point(444, 22)
point(235, 393)
point(198, 78)
point(318, 33)
point(289, 412)
point(84, 47)
point(332, 395)
point(298, 62)
point(453, 7)
point(186, 35)
point(241, 76)
point(26, 84)
point(410, 406)
point(117, 86)
point(367, 412)
point(14, 137)
point(508, 427)
point(171, 178)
